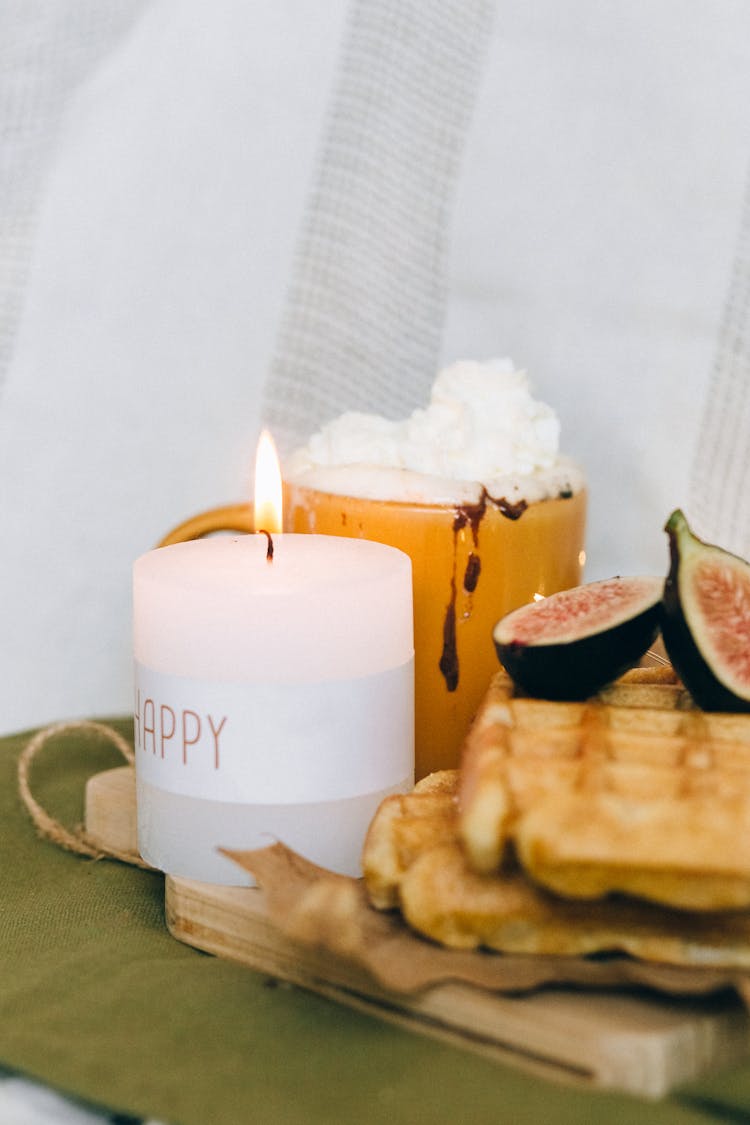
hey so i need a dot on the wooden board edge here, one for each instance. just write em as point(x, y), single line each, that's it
point(230, 922)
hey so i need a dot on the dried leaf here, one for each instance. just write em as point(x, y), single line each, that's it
point(331, 913)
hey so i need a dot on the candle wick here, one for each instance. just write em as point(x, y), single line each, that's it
point(269, 549)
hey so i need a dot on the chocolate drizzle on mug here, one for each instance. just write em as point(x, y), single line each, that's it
point(511, 511)
point(470, 514)
point(472, 572)
point(449, 657)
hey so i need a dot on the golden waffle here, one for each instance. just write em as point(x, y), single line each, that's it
point(413, 860)
point(405, 827)
point(633, 791)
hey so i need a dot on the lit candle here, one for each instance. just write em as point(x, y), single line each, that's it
point(273, 697)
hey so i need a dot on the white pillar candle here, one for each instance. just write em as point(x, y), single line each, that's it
point(273, 698)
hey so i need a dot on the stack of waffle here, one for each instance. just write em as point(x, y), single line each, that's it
point(621, 823)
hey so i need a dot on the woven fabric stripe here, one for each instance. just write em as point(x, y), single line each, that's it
point(47, 49)
point(720, 483)
point(364, 313)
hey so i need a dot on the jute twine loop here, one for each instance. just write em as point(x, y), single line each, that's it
point(76, 840)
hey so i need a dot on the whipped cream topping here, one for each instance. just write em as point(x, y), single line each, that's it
point(482, 429)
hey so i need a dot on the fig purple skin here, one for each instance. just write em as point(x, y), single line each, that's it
point(706, 619)
point(571, 644)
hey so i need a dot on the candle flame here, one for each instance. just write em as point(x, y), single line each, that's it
point(538, 597)
point(268, 505)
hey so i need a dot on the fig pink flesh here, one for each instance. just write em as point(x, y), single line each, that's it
point(599, 605)
point(723, 599)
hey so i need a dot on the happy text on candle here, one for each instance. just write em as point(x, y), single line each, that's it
point(182, 729)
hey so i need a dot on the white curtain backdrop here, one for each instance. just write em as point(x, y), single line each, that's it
point(158, 172)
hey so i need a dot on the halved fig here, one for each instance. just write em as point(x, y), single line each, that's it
point(571, 644)
point(706, 624)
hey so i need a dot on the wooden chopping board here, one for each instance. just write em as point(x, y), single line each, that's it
point(633, 1041)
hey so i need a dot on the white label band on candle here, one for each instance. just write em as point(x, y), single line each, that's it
point(266, 743)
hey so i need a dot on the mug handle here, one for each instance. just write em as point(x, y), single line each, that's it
point(233, 517)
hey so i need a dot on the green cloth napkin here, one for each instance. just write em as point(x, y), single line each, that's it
point(98, 1000)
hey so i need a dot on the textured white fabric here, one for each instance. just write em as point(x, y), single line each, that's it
point(720, 483)
point(363, 324)
point(23, 1102)
point(47, 50)
point(595, 234)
